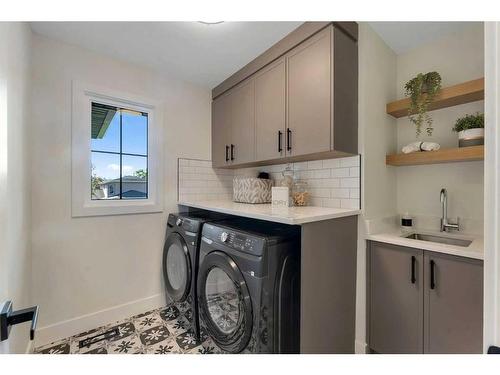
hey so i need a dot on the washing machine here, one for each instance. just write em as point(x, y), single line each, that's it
point(180, 258)
point(249, 286)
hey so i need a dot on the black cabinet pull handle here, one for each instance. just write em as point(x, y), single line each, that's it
point(8, 318)
point(279, 141)
point(288, 139)
point(433, 274)
point(227, 153)
point(413, 263)
point(232, 152)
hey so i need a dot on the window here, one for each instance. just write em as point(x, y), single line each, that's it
point(119, 152)
point(116, 153)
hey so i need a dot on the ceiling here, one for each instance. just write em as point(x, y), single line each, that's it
point(208, 54)
point(200, 53)
point(404, 36)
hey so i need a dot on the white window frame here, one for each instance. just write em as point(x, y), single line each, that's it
point(82, 205)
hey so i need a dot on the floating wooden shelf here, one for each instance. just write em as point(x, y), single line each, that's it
point(462, 93)
point(448, 155)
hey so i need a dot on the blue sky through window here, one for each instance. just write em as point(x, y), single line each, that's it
point(134, 141)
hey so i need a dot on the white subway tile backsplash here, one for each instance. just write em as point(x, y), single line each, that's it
point(331, 163)
point(321, 173)
point(340, 172)
point(354, 193)
point(316, 164)
point(349, 182)
point(351, 161)
point(349, 203)
point(319, 193)
point(331, 183)
point(331, 202)
point(354, 172)
point(340, 193)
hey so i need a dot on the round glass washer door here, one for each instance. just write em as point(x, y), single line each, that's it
point(225, 303)
point(176, 268)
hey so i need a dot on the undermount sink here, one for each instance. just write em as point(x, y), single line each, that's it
point(439, 239)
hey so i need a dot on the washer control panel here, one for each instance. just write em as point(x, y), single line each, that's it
point(247, 244)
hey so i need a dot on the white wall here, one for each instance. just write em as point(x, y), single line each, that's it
point(458, 57)
point(15, 198)
point(492, 188)
point(96, 264)
point(377, 137)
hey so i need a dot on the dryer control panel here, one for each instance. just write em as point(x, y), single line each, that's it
point(234, 239)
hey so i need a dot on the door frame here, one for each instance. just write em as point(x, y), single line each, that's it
point(491, 328)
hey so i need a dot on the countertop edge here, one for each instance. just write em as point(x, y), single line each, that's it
point(472, 251)
point(273, 218)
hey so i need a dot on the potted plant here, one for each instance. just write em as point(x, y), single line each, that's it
point(470, 129)
point(422, 90)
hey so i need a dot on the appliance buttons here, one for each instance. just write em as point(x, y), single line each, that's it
point(224, 236)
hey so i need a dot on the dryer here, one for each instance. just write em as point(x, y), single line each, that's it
point(249, 286)
point(180, 258)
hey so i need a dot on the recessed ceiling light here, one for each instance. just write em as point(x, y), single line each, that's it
point(210, 22)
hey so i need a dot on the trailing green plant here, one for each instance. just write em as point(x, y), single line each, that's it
point(422, 90)
point(469, 122)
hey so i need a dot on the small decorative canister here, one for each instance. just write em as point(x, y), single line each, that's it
point(300, 194)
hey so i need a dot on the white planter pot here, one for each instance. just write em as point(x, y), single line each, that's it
point(471, 137)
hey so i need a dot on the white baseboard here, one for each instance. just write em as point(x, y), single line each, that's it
point(29, 348)
point(360, 347)
point(46, 335)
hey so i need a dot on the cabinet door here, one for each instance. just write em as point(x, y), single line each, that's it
point(396, 299)
point(453, 304)
point(221, 130)
point(270, 91)
point(310, 84)
point(243, 123)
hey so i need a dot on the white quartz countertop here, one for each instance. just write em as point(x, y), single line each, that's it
point(475, 250)
point(290, 215)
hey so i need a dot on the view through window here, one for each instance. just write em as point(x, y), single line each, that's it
point(119, 148)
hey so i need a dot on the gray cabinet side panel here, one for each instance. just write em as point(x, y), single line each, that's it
point(345, 93)
point(328, 286)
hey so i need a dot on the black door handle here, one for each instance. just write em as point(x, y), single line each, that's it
point(279, 141)
point(413, 264)
point(288, 139)
point(433, 274)
point(8, 318)
point(232, 152)
point(227, 153)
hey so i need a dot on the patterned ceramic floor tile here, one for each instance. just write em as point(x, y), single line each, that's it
point(168, 346)
point(161, 331)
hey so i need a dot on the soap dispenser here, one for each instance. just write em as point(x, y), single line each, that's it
point(406, 223)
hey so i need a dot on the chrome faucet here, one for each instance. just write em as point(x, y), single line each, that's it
point(445, 225)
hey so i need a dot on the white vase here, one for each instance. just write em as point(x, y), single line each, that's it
point(471, 137)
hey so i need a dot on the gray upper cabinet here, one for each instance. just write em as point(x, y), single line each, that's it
point(270, 127)
point(309, 96)
point(396, 299)
point(242, 145)
point(453, 304)
point(221, 130)
point(297, 101)
point(431, 303)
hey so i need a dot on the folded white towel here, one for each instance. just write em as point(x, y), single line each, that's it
point(420, 146)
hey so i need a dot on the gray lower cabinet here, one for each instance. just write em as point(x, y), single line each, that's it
point(453, 304)
point(423, 302)
point(396, 299)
